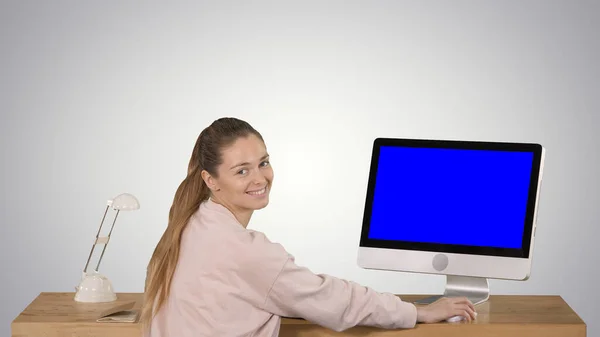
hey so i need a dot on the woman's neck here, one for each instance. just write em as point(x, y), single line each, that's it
point(242, 216)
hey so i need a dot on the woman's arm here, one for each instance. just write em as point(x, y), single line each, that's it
point(335, 303)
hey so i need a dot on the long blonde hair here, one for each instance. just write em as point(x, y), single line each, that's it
point(189, 195)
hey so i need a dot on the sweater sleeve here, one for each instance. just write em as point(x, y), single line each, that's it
point(335, 303)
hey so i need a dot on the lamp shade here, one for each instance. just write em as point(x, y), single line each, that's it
point(124, 202)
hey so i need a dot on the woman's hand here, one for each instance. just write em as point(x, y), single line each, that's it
point(445, 308)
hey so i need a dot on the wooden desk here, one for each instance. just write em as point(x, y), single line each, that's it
point(56, 314)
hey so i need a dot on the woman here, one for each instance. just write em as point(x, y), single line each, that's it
point(212, 276)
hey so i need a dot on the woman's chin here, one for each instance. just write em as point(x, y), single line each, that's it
point(262, 203)
point(258, 203)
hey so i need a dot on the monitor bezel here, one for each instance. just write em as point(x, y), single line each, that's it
point(524, 252)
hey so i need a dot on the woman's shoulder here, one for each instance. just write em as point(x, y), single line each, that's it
point(251, 243)
point(264, 247)
point(262, 260)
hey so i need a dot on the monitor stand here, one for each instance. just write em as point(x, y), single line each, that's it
point(476, 289)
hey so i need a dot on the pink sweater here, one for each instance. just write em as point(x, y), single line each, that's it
point(232, 281)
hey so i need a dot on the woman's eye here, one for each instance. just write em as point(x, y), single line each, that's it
point(242, 171)
point(264, 163)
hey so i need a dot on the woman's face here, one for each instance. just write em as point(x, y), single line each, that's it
point(245, 176)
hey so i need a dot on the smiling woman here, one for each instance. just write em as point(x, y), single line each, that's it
point(210, 275)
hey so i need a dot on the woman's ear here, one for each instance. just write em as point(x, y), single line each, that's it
point(209, 181)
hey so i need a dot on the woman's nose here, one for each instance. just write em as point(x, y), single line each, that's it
point(259, 177)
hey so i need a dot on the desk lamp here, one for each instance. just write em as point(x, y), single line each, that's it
point(95, 287)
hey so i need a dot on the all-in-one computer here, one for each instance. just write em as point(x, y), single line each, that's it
point(463, 209)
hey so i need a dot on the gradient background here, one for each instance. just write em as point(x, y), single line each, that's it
point(101, 99)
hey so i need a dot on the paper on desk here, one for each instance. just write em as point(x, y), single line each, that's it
point(122, 313)
point(127, 316)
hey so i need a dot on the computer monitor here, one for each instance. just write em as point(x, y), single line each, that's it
point(463, 209)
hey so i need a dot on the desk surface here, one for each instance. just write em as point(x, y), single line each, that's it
point(57, 314)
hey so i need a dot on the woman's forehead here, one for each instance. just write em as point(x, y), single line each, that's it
point(246, 149)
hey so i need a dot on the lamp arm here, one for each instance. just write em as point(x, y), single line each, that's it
point(107, 240)
point(95, 241)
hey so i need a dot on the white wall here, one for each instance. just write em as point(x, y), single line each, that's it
point(100, 99)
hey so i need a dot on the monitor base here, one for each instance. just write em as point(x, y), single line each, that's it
point(476, 289)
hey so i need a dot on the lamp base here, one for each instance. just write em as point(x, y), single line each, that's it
point(94, 288)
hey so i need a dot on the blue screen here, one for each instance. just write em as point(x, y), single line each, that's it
point(451, 196)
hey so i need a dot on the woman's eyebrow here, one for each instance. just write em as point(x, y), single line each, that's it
point(246, 163)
